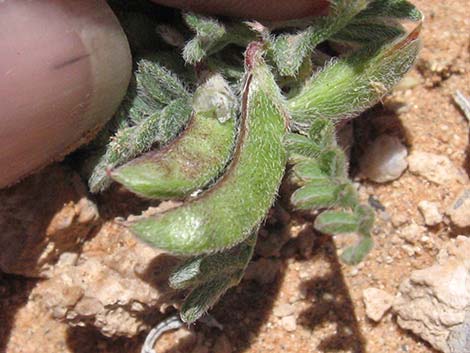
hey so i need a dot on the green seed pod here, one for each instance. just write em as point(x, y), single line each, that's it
point(226, 214)
point(194, 159)
point(349, 86)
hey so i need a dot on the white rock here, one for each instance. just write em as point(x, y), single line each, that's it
point(412, 233)
point(434, 302)
point(430, 211)
point(459, 210)
point(377, 303)
point(384, 160)
point(436, 168)
point(283, 310)
point(288, 323)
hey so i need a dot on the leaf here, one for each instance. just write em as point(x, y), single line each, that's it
point(400, 9)
point(202, 269)
point(316, 195)
point(308, 171)
point(201, 299)
point(300, 147)
point(290, 50)
point(336, 222)
point(368, 32)
point(212, 36)
point(158, 83)
point(366, 217)
point(355, 254)
point(333, 163)
point(322, 133)
point(131, 141)
point(348, 197)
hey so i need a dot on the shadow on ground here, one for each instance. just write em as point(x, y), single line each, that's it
point(14, 294)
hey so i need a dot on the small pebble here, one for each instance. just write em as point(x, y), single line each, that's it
point(430, 211)
point(410, 250)
point(459, 210)
point(399, 219)
point(412, 233)
point(377, 303)
point(384, 160)
point(283, 310)
point(289, 323)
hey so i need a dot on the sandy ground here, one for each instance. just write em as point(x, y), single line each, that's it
point(315, 303)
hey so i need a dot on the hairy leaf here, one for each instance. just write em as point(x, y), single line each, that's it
point(290, 50)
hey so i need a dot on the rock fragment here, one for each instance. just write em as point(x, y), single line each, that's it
point(116, 283)
point(459, 210)
point(377, 303)
point(283, 310)
point(384, 160)
point(44, 220)
point(289, 323)
point(434, 303)
point(430, 211)
point(436, 168)
point(412, 233)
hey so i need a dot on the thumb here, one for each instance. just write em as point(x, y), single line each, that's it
point(257, 9)
point(64, 68)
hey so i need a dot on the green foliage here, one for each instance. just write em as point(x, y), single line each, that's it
point(228, 161)
point(196, 158)
point(212, 36)
point(290, 50)
point(350, 85)
point(236, 204)
point(324, 183)
point(158, 84)
point(378, 22)
point(399, 9)
point(210, 276)
point(156, 108)
point(130, 141)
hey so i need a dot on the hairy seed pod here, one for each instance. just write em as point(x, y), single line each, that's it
point(194, 159)
point(226, 214)
point(129, 142)
point(349, 86)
